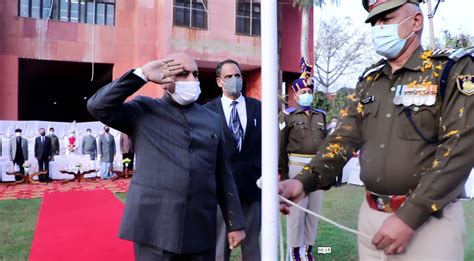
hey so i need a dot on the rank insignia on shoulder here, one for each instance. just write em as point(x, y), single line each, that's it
point(451, 53)
point(465, 84)
point(374, 68)
point(368, 99)
point(281, 125)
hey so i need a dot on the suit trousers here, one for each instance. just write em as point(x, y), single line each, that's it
point(301, 227)
point(106, 170)
point(250, 246)
point(436, 239)
point(144, 252)
point(43, 164)
point(22, 170)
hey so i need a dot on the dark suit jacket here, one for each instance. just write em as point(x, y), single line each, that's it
point(107, 148)
point(12, 148)
point(43, 150)
point(246, 164)
point(54, 143)
point(182, 173)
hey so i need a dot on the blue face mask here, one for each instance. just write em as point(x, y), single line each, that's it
point(386, 40)
point(305, 100)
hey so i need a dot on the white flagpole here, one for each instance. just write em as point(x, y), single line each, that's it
point(270, 204)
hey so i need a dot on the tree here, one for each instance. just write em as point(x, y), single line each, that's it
point(458, 41)
point(340, 52)
point(304, 6)
point(320, 101)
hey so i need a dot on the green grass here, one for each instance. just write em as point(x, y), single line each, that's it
point(122, 196)
point(17, 226)
point(18, 221)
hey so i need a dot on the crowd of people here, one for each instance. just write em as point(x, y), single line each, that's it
point(46, 147)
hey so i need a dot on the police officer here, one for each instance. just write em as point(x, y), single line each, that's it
point(411, 118)
point(302, 130)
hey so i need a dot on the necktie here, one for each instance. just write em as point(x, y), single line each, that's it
point(235, 126)
point(42, 139)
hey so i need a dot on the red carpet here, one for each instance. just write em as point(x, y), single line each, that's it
point(80, 225)
point(24, 191)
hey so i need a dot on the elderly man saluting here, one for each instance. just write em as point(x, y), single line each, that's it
point(411, 118)
point(182, 164)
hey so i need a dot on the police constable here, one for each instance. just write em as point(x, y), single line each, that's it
point(411, 118)
point(302, 130)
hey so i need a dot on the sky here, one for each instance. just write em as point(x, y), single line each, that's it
point(456, 16)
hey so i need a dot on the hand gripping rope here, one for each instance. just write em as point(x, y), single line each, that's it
point(289, 202)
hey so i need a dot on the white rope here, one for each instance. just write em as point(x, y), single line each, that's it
point(325, 219)
point(350, 230)
point(353, 231)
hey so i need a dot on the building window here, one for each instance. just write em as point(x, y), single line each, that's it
point(248, 17)
point(190, 13)
point(76, 11)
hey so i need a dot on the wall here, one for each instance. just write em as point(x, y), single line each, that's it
point(143, 31)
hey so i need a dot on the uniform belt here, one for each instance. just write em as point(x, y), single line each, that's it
point(301, 155)
point(299, 159)
point(384, 203)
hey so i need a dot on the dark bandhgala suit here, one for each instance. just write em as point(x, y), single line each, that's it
point(246, 169)
point(182, 169)
point(43, 153)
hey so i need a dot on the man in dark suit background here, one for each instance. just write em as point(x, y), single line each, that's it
point(127, 149)
point(43, 153)
point(54, 142)
point(18, 149)
point(182, 168)
point(240, 117)
point(107, 152)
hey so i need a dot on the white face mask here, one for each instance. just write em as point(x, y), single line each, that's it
point(233, 86)
point(305, 99)
point(186, 92)
point(386, 40)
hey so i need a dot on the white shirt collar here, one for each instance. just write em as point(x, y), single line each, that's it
point(226, 101)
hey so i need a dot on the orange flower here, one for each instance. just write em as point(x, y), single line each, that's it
point(344, 112)
point(436, 163)
point(447, 152)
point(426, 54)
point(352, 97)
point(360, 108)
point(451, 133)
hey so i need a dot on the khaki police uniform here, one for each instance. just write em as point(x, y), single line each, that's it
point(299, 138)
point(415, 139)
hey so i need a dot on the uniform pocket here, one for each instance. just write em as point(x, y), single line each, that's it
point(371, 109)
point(423, 120)
point(300, 129)
point(369, 119)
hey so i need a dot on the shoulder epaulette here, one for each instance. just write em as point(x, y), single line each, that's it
point(453, 55)
point(449, 53)
point(289, 110)
point(373, 68)
point(470, 51)
point(320, 111)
